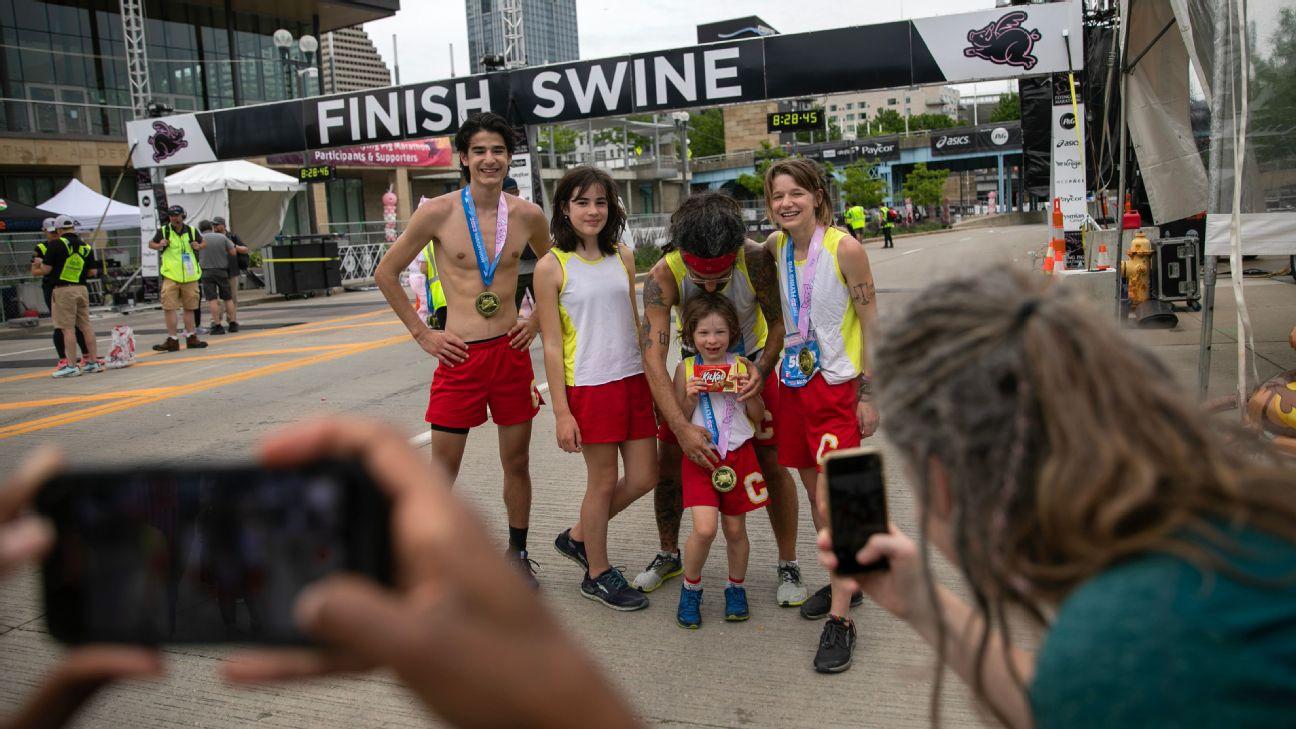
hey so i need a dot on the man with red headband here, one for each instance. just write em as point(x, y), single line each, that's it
point(709, 251)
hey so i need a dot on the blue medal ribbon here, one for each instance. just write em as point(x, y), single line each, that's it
point(485, 266)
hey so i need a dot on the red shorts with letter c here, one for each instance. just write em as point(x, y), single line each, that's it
point(815, 420)
point(749, 494)
point(494, 376)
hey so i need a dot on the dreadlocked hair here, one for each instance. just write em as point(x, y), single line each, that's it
point(1068, 447)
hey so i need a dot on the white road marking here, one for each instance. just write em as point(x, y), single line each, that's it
point(906, 253)
point(49, 348)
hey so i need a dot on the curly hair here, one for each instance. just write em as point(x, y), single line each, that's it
point(707, 224)
point(703, 304)
point(484, 121)
point(1068, 448)
point(582, 180)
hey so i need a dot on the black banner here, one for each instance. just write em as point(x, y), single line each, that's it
point(992, 138)
point(1037, 124)
point(844, 152)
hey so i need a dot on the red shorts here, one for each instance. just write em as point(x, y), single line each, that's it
point(613, 412)
point(816, 419)
point(494, 376)
point(749, 494)
point(764, 434)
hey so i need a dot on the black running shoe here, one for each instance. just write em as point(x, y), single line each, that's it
point(571, 549)
point(611, 589)
point(216, 329)
point(836, 644)
point(819, 603)
point(527, 566)
point(233, 327)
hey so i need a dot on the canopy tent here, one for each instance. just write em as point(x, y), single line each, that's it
point(16, 217)
point(252, 199)
point(88, 206)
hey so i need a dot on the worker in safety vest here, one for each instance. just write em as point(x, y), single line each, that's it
point(855, 219)
point(887, 225)
point(70, 262)
point(434, 295)
point(178, 266)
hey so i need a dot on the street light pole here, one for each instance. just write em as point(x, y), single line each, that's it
point(308, 45)
point(681, 133)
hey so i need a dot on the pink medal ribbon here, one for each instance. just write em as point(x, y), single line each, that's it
point(805, 281)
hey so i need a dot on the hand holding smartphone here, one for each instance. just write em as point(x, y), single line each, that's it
point(856, 505)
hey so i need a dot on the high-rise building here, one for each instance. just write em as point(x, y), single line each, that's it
point(548, 29)
point(351, 63)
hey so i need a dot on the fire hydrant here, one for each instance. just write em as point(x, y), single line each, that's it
point(1137, 271)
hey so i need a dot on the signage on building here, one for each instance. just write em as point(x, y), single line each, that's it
point(734, 29)
point(885, 55)
point(430, 152)
point(984, 139)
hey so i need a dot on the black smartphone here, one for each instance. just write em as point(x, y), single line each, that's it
point(856, 505)
point(153, 555)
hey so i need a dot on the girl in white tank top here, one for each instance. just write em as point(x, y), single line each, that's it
point(584, 289)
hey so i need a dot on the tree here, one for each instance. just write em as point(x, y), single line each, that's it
point(765, 156)
point(564, 139)
point(925, 187)
point(834, 133)
point(1273, 96)
point(888, 121)
point(1008, 108)
point(930, 121)
point(706, 133)
point(860, 186)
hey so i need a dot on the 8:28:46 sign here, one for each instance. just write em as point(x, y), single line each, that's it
point(316, 173)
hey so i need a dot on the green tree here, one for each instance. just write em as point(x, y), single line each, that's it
point(564, 139)
point(834, 133)
point(925, 187)
point(888, 121)
point(1273, 96)
point(706, 133)
point(859, 185)
point(765, 156)
point(930, 121)
point(1008, 108)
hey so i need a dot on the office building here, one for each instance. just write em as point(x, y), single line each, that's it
point(548, 30)
point(351, 63)
point(851, 110)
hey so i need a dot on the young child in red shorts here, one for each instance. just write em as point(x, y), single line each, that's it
point(735, 487)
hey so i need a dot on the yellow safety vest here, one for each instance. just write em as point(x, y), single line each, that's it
point(435, 294)
point(74, 264)
point(173, 265)
point(855, 216)
point(884, 212)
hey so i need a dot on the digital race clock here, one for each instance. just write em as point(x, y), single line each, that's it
point(806, 120)
point(317, 173)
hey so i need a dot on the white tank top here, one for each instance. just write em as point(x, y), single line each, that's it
point(833, 320)
point(600, 344)
point(741, 430)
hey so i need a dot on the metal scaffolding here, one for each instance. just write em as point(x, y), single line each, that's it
point(514, 42)
point(132, 15)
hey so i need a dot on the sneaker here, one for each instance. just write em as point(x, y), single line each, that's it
point(663, 567)
point(689, 614)
point(791, 590)
point(201, 330)
point(95, 366)
point(170, 345)
point(836, 644)
point(819, 603)
point(216, 329)
point(66, 369)
point(233, 327)
point(527, 565)
point(736, 604)
point(192, 342)
point(571, 549)
point(611, 589)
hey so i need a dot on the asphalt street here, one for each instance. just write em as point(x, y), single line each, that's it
point(348, 354)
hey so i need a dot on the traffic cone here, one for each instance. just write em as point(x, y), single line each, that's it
point(1104, 261)
point(1059, 259)
point(1048, 263)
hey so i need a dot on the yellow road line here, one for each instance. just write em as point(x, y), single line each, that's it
point(32, 426)
point(74, 399)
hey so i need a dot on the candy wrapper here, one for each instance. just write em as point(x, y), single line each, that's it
point(719, 378)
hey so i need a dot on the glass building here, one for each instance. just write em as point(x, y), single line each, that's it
point(548, 29)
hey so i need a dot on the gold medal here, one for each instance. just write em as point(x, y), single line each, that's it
point(724, 479)
point(805, 361)
point(488, 303)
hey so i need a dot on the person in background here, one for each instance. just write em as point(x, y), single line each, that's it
point(214, 258)
point(237, 264)
point(178, 266)
point(1158, 560)
point(47, 286)
point(855, 218)
point(527, 264)
point(71, 262)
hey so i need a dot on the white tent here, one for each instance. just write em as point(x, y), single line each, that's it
point(251, 198)
point(87, 206)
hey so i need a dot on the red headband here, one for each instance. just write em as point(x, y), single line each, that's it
point(709, 266)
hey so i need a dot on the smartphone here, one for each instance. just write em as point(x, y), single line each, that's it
point(856, 505)
point(200, 554)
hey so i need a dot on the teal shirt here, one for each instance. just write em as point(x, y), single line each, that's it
point(1156, 642)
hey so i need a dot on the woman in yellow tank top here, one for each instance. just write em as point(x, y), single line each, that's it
point(585, 303)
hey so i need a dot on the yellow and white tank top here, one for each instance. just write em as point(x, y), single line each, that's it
point(833, 321)
point(739, 290)
point(742, 429)
point(600, 344)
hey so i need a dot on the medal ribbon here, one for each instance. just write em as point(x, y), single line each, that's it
point(798, 295)
point(485, 267)
point(719, 432)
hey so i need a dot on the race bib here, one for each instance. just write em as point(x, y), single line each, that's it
point(187, 261)
point(800, 361)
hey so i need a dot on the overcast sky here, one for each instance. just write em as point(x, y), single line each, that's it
point(425, 29)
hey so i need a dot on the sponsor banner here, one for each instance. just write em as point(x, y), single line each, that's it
point(990, 138)
point(1003, 43)
point(149, 222)
point(844, 152)
point(1068, 164)
point(520, 167)
point(430, 152)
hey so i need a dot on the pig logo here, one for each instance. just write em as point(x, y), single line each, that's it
point(167, 141)
point(1004, 42)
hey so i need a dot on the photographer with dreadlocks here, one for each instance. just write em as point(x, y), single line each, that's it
point(1060, 469)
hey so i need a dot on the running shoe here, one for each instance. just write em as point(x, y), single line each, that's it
point(216, 329)
point(820, 602)
point(736, 604)
point(836, 646)
point(791, 590)
point(95, 366)
point(527, 566)
point(611, 589)
point(233, 327)
point(689, 614)
point(663, 567)
point(571, 549)
point(66, 369)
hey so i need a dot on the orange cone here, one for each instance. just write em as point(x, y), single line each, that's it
point(1104, 258)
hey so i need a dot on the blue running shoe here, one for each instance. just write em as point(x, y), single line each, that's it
point(689, 614)
point(736, 604)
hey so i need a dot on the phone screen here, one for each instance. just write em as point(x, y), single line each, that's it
point(856, 505)
point(161, 555)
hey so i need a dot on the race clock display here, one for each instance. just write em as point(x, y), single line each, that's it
point(805, 120)
point(317, 173)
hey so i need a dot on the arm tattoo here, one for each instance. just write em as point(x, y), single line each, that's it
point(652, 293)
point(663, 338)
point(863, 294)
point(645, 336)
point(764, 279)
